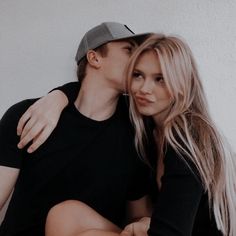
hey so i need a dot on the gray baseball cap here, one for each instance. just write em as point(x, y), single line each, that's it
point(104, 33)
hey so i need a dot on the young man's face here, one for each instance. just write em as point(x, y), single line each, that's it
point(115, 62)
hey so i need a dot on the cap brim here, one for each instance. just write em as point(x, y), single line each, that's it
point(137, 37)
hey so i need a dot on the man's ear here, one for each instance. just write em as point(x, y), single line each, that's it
point(93, 59)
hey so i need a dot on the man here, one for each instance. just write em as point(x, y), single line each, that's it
point(90, 156)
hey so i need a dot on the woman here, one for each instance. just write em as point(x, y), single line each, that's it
point(195, 171)
point(165, 85)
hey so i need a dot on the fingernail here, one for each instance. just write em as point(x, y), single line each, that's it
point(30, 150)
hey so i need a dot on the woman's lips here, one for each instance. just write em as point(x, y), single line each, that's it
point(143, 100)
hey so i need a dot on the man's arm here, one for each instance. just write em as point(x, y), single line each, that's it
point(8, 177)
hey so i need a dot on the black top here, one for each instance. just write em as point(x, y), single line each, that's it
point(95, 162)
point(180, 207)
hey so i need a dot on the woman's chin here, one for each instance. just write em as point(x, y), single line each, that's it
point(145, 111)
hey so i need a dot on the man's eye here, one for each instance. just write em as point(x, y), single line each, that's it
point(129, 49)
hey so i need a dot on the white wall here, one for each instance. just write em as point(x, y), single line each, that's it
point(38, 41)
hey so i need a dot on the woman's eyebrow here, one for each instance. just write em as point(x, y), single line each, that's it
point(140, 71)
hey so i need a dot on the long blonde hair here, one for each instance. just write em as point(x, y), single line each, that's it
point(188, 127)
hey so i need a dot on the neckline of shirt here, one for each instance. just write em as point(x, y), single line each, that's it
point(92, 121)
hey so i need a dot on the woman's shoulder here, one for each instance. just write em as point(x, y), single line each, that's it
point(178, 163)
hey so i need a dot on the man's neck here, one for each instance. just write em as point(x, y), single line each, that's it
point(96, 100)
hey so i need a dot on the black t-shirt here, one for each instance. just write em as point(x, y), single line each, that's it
point(91, 161)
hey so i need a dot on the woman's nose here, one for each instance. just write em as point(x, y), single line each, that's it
point(146, 87)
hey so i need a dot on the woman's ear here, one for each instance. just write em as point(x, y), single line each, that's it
point(93, 59)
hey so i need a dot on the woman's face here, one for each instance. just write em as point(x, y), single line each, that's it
point(148, 86)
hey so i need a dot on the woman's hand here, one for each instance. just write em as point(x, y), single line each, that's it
point(138, 228)
point(40, 119)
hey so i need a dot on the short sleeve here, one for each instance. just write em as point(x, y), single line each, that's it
point(10, 155)
point(71, 90)
point(178, 199)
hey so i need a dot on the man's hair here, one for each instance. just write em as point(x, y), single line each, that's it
point(82, 66)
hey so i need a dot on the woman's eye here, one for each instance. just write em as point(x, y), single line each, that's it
point(159, 79)
point(137, 75)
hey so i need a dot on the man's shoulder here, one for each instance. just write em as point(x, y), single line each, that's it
point(11, 156)
point(17, 110)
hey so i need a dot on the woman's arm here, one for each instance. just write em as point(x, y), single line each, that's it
point(40, 119)
point(178, 199)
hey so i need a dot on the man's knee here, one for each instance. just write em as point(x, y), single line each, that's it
point(63, 217)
